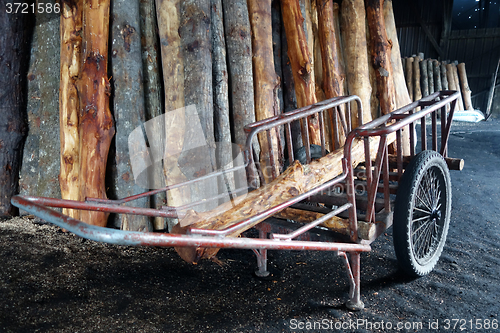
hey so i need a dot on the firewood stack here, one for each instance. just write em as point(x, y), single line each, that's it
point(425, 76)
point(237, 61)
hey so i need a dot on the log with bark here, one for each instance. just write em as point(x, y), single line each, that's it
point(444, 78)
point(409, 76)
point(424, 80)
point(333, 74)
point(239, 60)
point(222, 129)
point(41, 160)
point(297, 179)
point(289, 98)
point(14, 57)
point(196, 45)
point(96, 122)
point(451, 82)
point(69, 105)
point(301, 63)
point(266, 83)
point(168, 16)
point(466, 92)
point(430, 75)
point(128, 107)
point(457, 86)
point(401, 90)
point(437, 76)
point(417, 92)
point(152, 92)
point(353, 30)
point(380, 51)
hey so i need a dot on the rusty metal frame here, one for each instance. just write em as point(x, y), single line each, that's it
point(383, 126)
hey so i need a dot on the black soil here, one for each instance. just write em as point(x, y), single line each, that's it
point(52, 281)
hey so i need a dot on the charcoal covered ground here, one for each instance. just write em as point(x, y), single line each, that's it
point(52, 281)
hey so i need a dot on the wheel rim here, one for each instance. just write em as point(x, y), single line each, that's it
point(428, 216)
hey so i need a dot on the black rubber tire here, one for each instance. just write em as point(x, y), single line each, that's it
point(422, 213)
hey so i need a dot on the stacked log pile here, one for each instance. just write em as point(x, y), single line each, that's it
point(425, 76)
point(237, 61)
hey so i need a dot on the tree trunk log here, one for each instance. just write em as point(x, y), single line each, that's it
point(265, 82)
point(437, 76)
point(417, 92)
point(423, 78)
point(168, 16)
point(289, 97)
point(333, 76)
point(466, 92)
point(14, 57)
point(222, 127)
point(430, 75)
point(69, 105)
point(42, 159)
point(401, 91)
point(444, 78)
point(295, 180)
point(380, 51)
point(457, 85)
point(239, 59)
point(96, 122)
point(196, 44)
point(129, 108)
point(409, 76)
point(152, 93)
point(353, 30)
point(300, 59)
point(451, 83)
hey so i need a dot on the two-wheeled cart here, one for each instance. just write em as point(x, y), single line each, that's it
point(411, 193)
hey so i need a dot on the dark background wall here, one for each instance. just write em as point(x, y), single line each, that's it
point(462, 30)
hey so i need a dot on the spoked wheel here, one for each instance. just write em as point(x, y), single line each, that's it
point(422, 213)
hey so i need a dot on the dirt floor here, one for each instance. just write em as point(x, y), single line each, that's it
point(52, 281)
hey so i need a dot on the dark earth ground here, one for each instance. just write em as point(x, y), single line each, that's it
point(51, 281)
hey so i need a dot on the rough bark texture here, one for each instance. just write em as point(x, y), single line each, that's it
point(14, 55)
point(466, 92)
point(168, 16)
point(451, 83)
point(69, 104)
point(430, 75)
point(266, 81)
point(437, 76)
point(454, 72)
point(380, 51)
point(152, 88)
point(401, 90)
point(195, 32)
point(409, 76)
point(353, 29)
point(222, 128)
point(96, 122)
point(295, 180)
point(424, 81)
point(300, 59)
point(444, 77)
point(333, 75)
point(289, 99)
point(41, 156)
point(129, 108)
point(239, 56)
point(417, 92)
